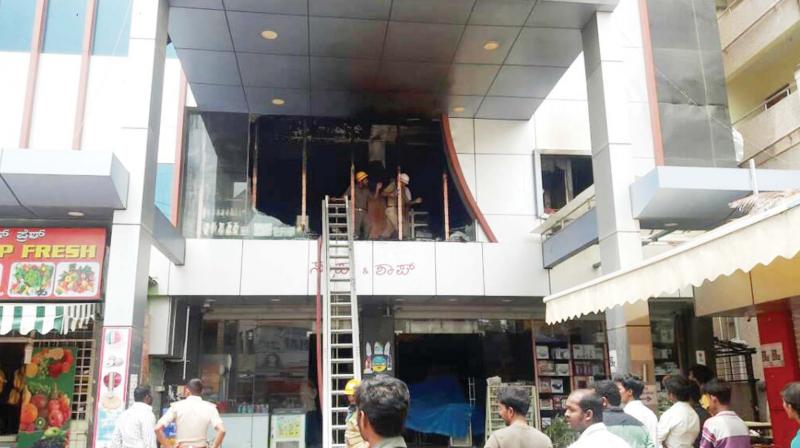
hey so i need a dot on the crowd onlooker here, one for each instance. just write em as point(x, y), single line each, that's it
point(679, 425)
point(382, 403)
point(617, 421)
point(631, 388)
point(513, 405)
point(791, 404)
point(724, 429)
point(584, 414)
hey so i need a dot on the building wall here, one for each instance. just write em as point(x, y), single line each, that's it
point(289, 268)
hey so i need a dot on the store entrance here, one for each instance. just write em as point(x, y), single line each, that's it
point(12, 356)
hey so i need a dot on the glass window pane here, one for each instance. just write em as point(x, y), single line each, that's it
point(164, 176)
point(64, 26)
point(112, 27)
point(16, 24)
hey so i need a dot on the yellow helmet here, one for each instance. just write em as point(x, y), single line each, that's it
point(360, 176)
point(351, 386)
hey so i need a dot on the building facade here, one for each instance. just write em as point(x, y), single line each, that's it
point(551, 142)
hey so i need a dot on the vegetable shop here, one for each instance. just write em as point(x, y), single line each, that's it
point(50, 286)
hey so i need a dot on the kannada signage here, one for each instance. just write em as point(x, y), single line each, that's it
point(51, 263)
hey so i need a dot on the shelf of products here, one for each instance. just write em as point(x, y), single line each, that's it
point(567, 359)
point(493, 419)
point(665, 349)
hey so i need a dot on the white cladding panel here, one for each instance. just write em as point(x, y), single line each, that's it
point(13, 80)
point(459, 269)
point(514, 269)
point(407, 268)
point(275, 267)
point(54, 104)
point(287, 267)
point(213, 267)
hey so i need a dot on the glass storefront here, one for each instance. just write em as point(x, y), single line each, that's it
point(266, 178)
point(260, 373)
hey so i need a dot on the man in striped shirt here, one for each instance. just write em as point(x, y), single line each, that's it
point(725, 429)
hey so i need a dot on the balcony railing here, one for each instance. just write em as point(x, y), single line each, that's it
point(767, 126)
point(574, 209)
point(747, 27)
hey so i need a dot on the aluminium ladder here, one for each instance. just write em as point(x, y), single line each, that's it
point(340, 343)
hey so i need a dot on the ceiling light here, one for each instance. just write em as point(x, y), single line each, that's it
point(458, 109)
point(506, 300)
point(671, 224)
point(399, 300)
point(269, 35)
point(452, 300)
point(491, 45)
point(278, 101)
point(275, 300)
point(76, 214)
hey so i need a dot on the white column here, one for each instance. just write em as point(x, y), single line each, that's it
point(613, 167)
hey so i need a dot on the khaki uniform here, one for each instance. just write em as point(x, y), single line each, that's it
point(192, 417)
point(361, 226)
point(352, 435)
point(391, 209)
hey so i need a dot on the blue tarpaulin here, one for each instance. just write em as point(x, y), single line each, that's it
point(438, 406)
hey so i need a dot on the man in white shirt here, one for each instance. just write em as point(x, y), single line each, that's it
point(584, 414)
point(679, 426)
point(630, 390)
point(192, 417)
point(134, 427)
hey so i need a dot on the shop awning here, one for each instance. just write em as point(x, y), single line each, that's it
point(44, 318)
point(738, 245)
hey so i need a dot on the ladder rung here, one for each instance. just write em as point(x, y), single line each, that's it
point(342, 317)
point(340, 410)
point(341, 304)
point(342, 376)
point(342, 345)
point(337, 392)
point(341, 360)
point(341, 330)
point(340, 279)
point(337, 215)
point(339, 427)
point(338, 257)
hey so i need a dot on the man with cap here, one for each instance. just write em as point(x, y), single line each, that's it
point(390, 193)
point(361, 197)
point(352, 434)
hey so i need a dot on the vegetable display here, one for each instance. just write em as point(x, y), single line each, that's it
point(76, 279)
point(46, 404)
point(31, 279)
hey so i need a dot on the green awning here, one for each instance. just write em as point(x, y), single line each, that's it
point(44, 318)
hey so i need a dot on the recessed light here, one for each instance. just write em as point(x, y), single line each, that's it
point(274, 300)
point(399, 300)
point(269, 35)
point(506, 300)
point(491, 45)
point(671, 224)
point(452, 300)
point(278, 101)
point(458, 109)
point(76, 214)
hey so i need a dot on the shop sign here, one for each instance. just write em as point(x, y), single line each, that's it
point(772, 355)
point(288, 430)
point(51, 263)
point(47, 385)
point(112, 385)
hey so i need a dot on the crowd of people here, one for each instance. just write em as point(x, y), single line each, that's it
point(608, 415)
point(377, 213)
